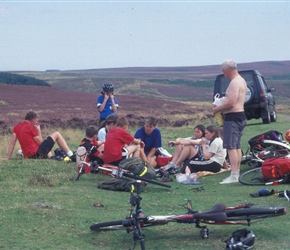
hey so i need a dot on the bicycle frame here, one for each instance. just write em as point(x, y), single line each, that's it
point(218, 214)
point(269, 148)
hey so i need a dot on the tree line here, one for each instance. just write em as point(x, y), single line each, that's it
point(15, 79)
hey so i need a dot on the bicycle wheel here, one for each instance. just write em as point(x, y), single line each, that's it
point(254, 213)
point(253, 177)
point(111, 225)
point(269, 148)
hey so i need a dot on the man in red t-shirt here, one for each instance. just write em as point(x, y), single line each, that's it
point(32, 145)
point(120, 144)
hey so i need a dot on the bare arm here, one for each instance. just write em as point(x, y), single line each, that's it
point(207, 155)
point(151, 152)
point(114, 108)
point(189, 142)
point(38, 139)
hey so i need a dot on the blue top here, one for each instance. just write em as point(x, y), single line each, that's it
point(151, 141)
point(108, 106)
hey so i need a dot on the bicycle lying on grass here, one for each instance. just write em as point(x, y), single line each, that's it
point(219, 214)
point(267, 145)
point(255, 177)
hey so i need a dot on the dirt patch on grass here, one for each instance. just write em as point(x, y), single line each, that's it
point(40, 180)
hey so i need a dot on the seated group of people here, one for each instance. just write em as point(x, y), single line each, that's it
point(114, 143)
point(202, 152)
point(111, 143)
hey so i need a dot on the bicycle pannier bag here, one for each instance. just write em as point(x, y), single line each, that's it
point(138, 167)
point(163, 160)
point(275, 168)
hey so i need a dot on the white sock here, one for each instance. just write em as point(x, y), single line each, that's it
point(69, 153)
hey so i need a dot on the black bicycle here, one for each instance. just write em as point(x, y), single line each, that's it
point(219, 214)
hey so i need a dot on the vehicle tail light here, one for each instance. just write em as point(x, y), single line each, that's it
point(262, 93)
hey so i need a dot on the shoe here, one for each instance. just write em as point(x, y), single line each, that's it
point(166, 178)
point(159, 173)
point(174, 170)
point(230, 179)
point(164, 152)
point(169, 166)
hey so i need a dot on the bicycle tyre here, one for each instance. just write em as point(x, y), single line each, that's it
point(254, 213)
point(252, 177)
point(269, 148)
point(110, 225)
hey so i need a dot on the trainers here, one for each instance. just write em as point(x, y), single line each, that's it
point(174, 170)
point(230, 179)
point(169, 166)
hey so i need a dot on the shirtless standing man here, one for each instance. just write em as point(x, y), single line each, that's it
point(234, 118)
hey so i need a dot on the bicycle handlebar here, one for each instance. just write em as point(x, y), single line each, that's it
point(119, 173)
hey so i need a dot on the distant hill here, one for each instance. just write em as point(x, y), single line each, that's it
point(16, 79)
point(177, 83)
point(176, 95)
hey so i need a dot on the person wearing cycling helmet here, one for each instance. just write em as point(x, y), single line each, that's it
point(107, 103)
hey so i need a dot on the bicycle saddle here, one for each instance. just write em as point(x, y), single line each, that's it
point(216, 213)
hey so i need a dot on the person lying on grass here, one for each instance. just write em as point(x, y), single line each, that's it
point(28, 133)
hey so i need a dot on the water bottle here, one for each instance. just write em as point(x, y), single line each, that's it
point(218, 116)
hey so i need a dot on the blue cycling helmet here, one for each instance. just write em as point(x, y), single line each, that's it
point(108, 87)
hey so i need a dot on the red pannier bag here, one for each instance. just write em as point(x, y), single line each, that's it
point(162, 160)
point(275, 168)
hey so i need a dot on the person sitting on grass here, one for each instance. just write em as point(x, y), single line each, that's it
point(93, 147)
point(30, 138)
point(120, 144)
point(186, 148)
point(151, 136)
point(106, 126)
point(214, 155)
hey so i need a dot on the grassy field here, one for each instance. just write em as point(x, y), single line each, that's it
point(26, 223)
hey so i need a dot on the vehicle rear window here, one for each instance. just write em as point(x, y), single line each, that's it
point(248, 76)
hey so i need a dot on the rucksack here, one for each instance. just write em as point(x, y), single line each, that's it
point(275, 168)
point(270, 135)
point(138, 167)
point(115, 185)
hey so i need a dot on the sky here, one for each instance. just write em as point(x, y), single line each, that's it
point(71, 35)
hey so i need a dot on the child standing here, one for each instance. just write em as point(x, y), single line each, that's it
point(107, 103)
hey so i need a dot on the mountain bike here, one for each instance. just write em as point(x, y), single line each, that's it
point(219, 214)
point(269, 148)
point(254, 177)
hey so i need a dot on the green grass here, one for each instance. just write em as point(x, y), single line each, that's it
point(27, 226)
